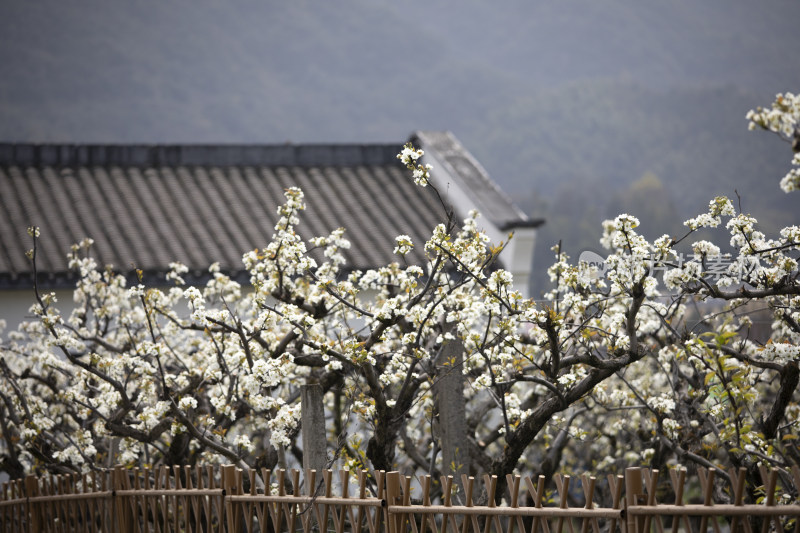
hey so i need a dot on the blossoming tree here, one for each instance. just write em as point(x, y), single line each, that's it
point(431, 368)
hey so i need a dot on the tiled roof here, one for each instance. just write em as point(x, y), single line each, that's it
point(482, 191)
point(146, 206)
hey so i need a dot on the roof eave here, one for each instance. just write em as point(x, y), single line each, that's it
point(530, 223)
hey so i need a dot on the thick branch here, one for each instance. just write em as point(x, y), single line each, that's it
point(789, 380)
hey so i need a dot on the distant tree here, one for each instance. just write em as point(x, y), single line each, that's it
point(649, 199)
point(432, 368)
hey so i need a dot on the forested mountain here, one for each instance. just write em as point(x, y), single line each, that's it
point(578, 108)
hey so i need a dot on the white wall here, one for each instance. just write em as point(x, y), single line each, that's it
point(14, 305)
point(517, 257)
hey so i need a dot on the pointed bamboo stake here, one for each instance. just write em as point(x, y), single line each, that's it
point(468, 482)
point(105, 484)
point(737, 482)
point(164, 485)
point(512, 482)
point(344, 511)
point(55, 514)
point(615, 483)
point(141, 500)
point(94, 509)
point(362, 494)
point(344, 483)
point(283, 509)
point(291, 510)
point(770, 478)
point(155, 500)
point(121, 508)
point(86, 511)
point(406, 488)
point(204, 504)
point(588, 485)
point(651, 481)
point(191, 502)
point(65, 481)
point(176, 475)
point(81, 505)
point(447, 491)
point(170, 501)
point(537, 494)
point(55, 484)
point(327, 477)
point(490, 482)
point(425, 482)
point(249, 515)
point(70, 487)
point(77, 504)
point(158, 502)
point(707, 486)
point(350, 510)
point(19, 512)
point(678, 480)
point(61, 504)
point(562, 486)
point(263, 509)
point(276, 509)
point(312, 511)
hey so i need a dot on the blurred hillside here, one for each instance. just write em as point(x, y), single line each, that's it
point(577, 108)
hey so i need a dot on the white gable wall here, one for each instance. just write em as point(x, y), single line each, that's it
point(15, 306)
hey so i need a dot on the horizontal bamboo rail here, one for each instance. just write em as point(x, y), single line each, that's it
point(319, 500)
point(508, 511)
point(716, 510)
point(229, 500)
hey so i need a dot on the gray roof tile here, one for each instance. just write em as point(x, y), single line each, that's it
point(146, 206)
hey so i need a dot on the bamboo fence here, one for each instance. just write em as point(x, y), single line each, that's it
point(229, 500)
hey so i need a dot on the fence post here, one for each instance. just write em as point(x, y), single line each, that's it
point(633, 494)
point(315, 454)
point(448, 393)
point(119, 478)
point(33, 518)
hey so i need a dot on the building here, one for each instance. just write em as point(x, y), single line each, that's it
point(148, 205)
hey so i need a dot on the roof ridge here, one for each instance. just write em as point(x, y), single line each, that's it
point(149, 155)
point(477, 188)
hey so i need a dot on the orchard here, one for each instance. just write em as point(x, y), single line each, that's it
point(436, 368)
